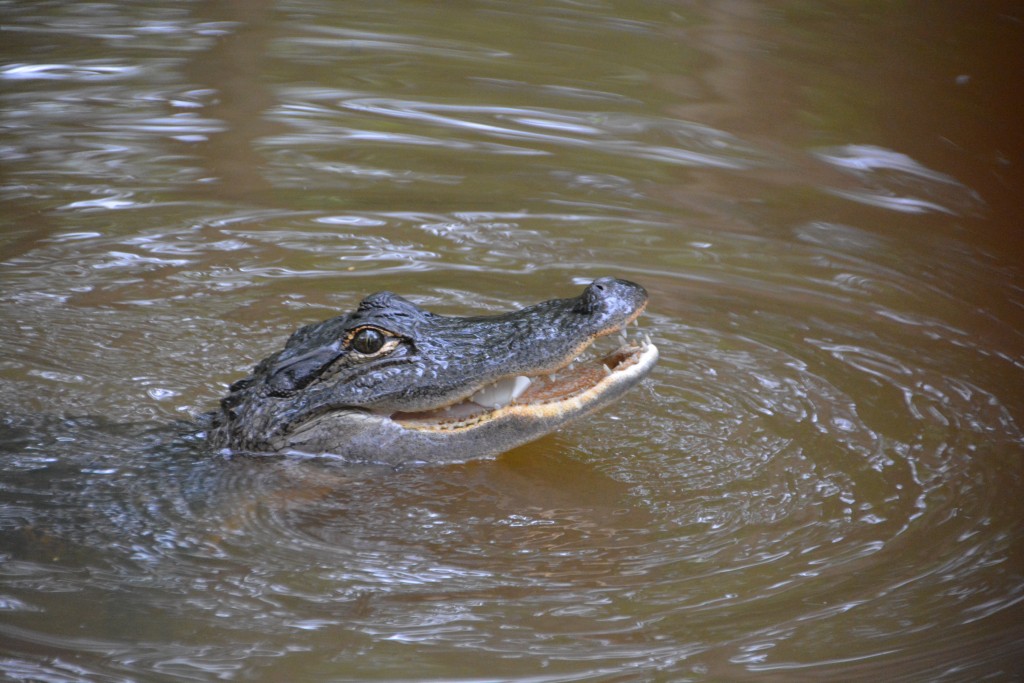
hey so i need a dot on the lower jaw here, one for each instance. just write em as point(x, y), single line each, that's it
point(576, 392)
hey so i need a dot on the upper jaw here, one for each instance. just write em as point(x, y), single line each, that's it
point(582, 379)
point(499, 389)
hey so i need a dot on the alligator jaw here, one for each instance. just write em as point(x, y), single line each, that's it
point(577, 388)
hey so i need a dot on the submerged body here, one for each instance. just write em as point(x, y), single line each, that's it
point(393, 383)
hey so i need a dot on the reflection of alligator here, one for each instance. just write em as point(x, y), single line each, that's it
point(394, 383)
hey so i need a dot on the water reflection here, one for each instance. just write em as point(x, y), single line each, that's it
point(820, 481)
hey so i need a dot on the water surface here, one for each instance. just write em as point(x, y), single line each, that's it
point(821, 480)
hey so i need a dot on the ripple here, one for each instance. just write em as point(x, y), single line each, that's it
point(322, 43)
point(80, 71)
point(899, 183)
point(505, 129)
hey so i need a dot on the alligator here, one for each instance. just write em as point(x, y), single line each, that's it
point(392, 383)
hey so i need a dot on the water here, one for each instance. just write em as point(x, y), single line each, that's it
point(820, 481)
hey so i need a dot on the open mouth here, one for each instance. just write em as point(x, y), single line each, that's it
point(573, 388)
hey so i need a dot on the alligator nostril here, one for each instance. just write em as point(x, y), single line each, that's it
point(604, 284)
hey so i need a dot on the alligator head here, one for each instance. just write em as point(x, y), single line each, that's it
point(393, 383)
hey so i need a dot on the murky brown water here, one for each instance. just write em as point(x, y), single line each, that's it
point(822, 480)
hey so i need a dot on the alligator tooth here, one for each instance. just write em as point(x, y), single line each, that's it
point(521, 384)
point(622, 337)
point(647, 340)
point(607, 370)
point(502, 392)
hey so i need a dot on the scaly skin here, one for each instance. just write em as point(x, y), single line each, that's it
point(378, 384)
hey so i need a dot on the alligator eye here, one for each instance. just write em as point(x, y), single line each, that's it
point(367, 341)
